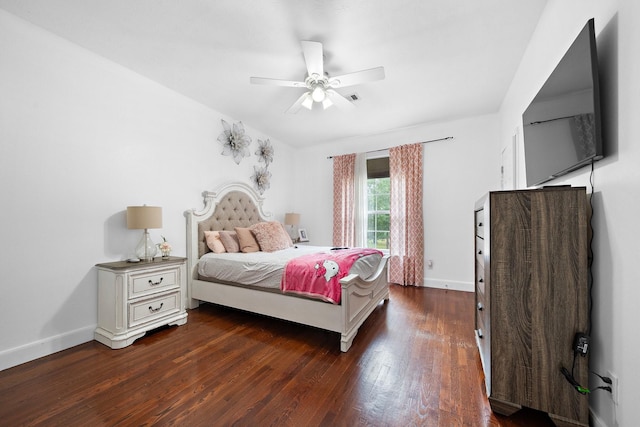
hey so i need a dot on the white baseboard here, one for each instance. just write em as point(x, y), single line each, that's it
point(28, 352)
point(451, 285)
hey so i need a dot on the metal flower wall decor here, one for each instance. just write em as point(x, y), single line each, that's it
point(261, 178)
point(234, 141)
point(265, 152)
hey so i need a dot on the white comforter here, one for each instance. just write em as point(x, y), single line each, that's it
point(265, 268)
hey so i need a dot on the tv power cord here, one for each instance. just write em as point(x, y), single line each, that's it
point(581, 347)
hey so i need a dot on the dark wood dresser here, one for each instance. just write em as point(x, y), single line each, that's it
point(532, 297)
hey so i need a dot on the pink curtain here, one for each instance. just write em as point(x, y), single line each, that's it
point(406, 264)
point(344, 200)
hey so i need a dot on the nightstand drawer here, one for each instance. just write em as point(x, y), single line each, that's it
point(151, 309)
point(149, 282)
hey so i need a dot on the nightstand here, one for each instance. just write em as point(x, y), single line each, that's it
point(134, 298)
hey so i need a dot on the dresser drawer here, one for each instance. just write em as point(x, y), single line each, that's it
point(154, 281)
point(483, 339)
point(480, 323)
point(153, 308)
point(480, 278)
point(480, 223)
point(480, 252)
point(482, 311)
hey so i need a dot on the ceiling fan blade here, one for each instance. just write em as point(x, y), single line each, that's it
point(299, 102)
point(275, 82)
point(339, 100)
point(313, 57)
point(364, 76)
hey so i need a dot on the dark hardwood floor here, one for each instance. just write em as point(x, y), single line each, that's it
point(413, 363)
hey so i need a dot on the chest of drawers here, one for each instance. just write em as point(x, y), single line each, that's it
point(531, 285)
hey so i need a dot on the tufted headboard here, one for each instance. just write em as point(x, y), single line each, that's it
point(234, 209)
point(231, 205)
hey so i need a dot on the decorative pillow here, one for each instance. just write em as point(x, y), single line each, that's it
point(247, 240)
point(271, 236)
point(230, 241)
point(214, 242)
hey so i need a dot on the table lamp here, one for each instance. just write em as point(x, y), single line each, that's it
point(144, 217)
point(291, 220)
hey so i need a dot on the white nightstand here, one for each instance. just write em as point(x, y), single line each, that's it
point(134, 298)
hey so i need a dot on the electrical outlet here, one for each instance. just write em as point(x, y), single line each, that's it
point(614, 386)
point(429, 264)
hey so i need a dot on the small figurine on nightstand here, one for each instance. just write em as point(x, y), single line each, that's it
point(165, 248)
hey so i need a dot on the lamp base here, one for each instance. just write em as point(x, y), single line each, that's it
point(146, 249)
point(293, 234)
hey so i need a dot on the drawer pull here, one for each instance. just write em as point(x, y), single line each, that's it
point(153, 310)
point(481, 280)
point(152, 283)
point(479, 224)
point(480, 335)
point(480, 306)
point(480, 252)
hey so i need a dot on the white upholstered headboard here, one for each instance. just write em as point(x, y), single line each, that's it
point(230, 205)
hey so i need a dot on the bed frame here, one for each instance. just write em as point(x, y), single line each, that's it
point(238, 205)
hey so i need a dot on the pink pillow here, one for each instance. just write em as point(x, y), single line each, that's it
point(230, 241)
point(247, 241)
point(271, 236)
point(213, 241)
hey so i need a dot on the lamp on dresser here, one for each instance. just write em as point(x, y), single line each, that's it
point(144, 218)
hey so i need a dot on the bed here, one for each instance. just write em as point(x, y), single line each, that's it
point(238, 205)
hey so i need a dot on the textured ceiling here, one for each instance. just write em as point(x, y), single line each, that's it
point(443, 59)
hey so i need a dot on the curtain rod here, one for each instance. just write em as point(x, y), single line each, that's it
point(539, 122)
point(423, 142)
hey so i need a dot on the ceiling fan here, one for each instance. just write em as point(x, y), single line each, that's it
point(320, 87)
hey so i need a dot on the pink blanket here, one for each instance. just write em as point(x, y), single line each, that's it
point(318, 275)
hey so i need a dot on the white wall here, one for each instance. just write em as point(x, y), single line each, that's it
point(457, 172)
point(81, 138)
point(616, 179)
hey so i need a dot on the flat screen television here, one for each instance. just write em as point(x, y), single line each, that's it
point(562, 125)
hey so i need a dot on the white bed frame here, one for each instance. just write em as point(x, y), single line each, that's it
point(359, 297)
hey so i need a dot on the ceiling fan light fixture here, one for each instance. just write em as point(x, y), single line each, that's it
point(318, 94)
point(326, 103)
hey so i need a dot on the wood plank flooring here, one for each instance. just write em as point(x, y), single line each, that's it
point(413, 363)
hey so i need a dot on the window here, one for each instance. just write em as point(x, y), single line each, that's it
point(378, 203)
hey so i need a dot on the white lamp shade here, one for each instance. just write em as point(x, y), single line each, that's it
point(143, 217)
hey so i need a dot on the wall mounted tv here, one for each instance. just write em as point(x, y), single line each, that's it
point(562, 125)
